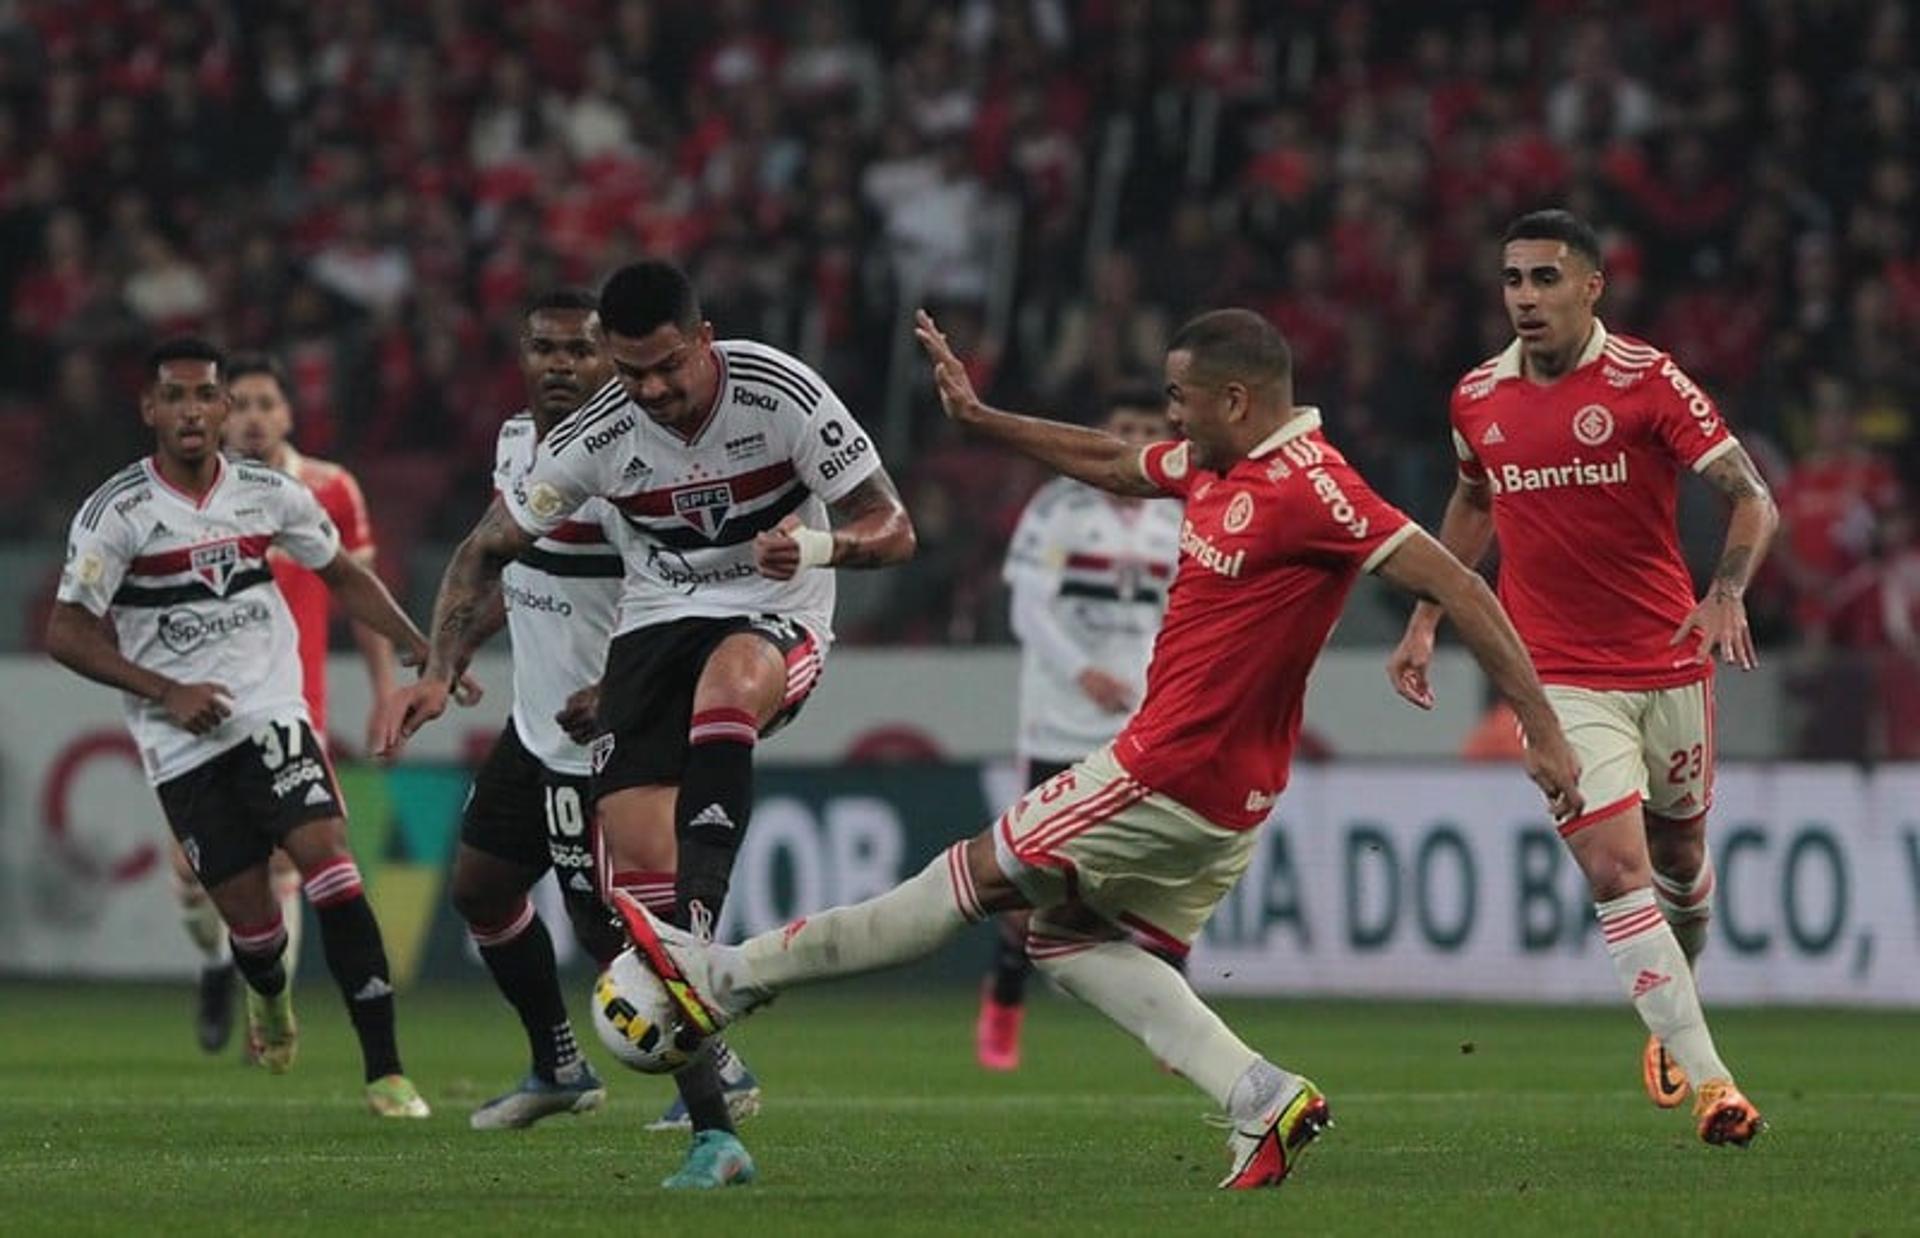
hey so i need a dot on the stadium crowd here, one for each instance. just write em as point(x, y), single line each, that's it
point(370, 188)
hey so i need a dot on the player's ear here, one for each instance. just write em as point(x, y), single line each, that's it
point(1596, 284)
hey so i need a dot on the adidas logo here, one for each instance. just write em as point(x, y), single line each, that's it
point(1647, 981)
point(375, 987)
point(1492, 436)
point(579, 884)
point(317, 794)
point(713, 815)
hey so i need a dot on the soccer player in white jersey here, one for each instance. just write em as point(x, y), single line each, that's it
point(724, 459)
point(1147, 834)
point(1088, 572)
point(528, 808)
point(167, 595)
point(1570, 443)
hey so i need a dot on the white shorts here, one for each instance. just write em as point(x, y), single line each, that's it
point(1146, 864)
point(1651, 748)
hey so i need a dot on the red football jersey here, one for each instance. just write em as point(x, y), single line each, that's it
point(307, 595)
point(1585, 474)
point(1268, 553)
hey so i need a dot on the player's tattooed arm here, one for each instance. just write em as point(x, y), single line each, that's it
point(1091, 456)
point(468, 608)
point(1754, 520)
point(871, 527)
point(1718, 625)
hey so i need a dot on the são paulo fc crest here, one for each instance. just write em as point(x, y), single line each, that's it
point(216, 564)
point(1239, 513)
point(705, 507)
point(1593, 425)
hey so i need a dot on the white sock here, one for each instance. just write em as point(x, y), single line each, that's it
point(207, 931)
point(1653, 970)
point(1688, 907)
point(293, 914)
point(913, 919)
point(1157, 1005)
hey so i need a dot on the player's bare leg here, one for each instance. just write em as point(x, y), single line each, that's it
point(213, 1016)
point(357, 958)
point(1683, 890)
point(1612, 852)
point(490, 894)
point(634, 828)
point(259, 944)
point(1274, 1113)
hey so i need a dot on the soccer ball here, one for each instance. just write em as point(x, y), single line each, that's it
point(635, 1018)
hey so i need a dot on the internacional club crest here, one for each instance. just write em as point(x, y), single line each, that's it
point(1593, 425)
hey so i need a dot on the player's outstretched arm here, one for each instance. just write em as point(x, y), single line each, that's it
point(85, 643)
point(366, 600)
point(1090, 456)
point(1466, 531)
point(1719, 622)
point(1425, 568)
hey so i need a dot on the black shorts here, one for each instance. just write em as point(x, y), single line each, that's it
point(1038, 771)
point(646, 695)
point(527, 814)
point(231, 812)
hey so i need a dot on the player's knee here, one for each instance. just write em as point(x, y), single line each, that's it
point(1676, 852)
point(317, 845)
point(745, 673)
point(1611, 874)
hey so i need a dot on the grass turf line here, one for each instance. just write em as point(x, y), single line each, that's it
point(1451, 1119)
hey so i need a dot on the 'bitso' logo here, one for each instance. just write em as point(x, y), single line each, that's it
point(1593, 425)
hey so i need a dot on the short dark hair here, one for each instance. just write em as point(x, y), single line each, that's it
point(1557, 225)
point(570, 300)
point(246, 364)
point(184, 348)
point(641, 298)
point(1235, 345)
point(1134, 394)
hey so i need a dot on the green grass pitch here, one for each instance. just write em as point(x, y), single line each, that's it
point(1450, 1119)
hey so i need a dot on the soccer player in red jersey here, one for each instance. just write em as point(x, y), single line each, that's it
point(1570, 445)
point(1138, 842)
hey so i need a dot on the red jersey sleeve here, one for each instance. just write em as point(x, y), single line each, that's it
point(348, 507)
point(1470, 466)
point(1168, 466)
point(1685, 419)
point(1344, 519)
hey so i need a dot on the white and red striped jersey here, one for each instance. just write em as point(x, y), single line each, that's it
point(562, 597)
point(777, 441)
point(186, 584)
point(1089, 575)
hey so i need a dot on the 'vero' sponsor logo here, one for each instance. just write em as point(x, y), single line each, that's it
point(1697, 402)
point(1512, 478)
point(1337, 503)
point(1196, 547)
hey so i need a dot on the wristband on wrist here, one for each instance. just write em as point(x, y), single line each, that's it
point(816, 547)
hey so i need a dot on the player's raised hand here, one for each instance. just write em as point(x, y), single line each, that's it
point(1719, 624)
point(197, 707)
point(950, 379)
point(1407, 666)
point(579, 717)
point(1556, 771)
